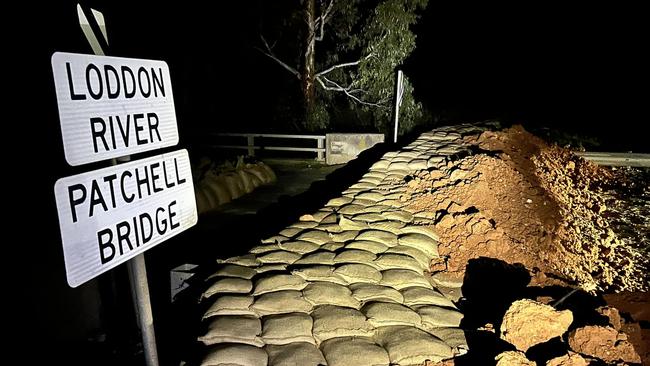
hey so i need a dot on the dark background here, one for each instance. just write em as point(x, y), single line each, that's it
point(581, 68)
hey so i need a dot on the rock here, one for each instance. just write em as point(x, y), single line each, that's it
point(570, 359)
point(513, 358)
point(605, 343)
point(612, 314)
point(528, 322)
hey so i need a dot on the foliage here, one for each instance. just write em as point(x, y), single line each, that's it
point(359, 48)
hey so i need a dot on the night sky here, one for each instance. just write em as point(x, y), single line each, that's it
point(582, 68)
point(576, 67)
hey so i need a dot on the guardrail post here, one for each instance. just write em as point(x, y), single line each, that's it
point(251, 145)
point(321, 145)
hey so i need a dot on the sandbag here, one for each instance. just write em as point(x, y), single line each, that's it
point(412, 346)
point(368, 217)
point(350, 209)
point(234, 185)
point(260, 173)
point(247, 260)
point(233, 329)
point(421, 257)
point(338, 202)
point(246, 181)
point(403, 278)
point(276, 282)
point(454, 337)
point(299, 246)
point(355, 256)
point(398, 261)
point(290, 232)
point(377, 208)
point(366, 292)
point(330, 228)
point(295, 354)
point(332, 246)
point(266, 248)
point(344, 236)
point(269, 172)
point(271, 267)
point(382, 314)
point(436, 316)
point(421, 242)
point(367, 245)
point(235, 355)
point(218, 187)
point(335, 321)
point(393, 227)
point(379, 236)
point(281, 302)
point(233, 270)
point(327, 293)
point(216, 191)
point(318, 257)
point(319, 273)
point(402, 216)
point(352, 351)
point(288, 328)
point(202, 203)
point(373, 196)
point(228, 285)
point(278, 256)
point(419, 229)
point(414, 296)
point(275, 239)
point(355, 272)
point(347, 224)
point(230, 305)
point(315, 236)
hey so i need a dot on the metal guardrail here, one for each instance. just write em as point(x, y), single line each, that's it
point(616, 159)
point(251, 147)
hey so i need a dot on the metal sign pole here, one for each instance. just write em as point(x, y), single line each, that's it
point(399, 91)
point(136, 267)
point(138, 274)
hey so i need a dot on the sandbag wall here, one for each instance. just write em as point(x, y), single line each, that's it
point(346, 285)
point(218, 188)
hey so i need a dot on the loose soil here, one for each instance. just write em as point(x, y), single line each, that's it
point(568, 223)
point(521, 200)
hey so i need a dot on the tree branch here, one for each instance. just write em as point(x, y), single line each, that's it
point(347, 64)
point(269, 53)
point(321, 20)
point(346, 91)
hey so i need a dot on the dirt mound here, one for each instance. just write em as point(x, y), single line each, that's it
point(520, 200)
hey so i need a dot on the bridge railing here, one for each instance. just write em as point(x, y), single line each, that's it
point(261, 144)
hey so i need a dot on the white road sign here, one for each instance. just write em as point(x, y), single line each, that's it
point(112, 106)
point(110, 215)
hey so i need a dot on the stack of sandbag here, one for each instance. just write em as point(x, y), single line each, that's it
point(219, 187)
point(346, 285)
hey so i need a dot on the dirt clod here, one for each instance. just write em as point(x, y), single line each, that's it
point(513, 358)
point(604, 343)
point(570, 359)
point(527, 323)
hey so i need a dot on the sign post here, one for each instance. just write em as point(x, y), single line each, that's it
point(399, 93)
point(109, 108)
